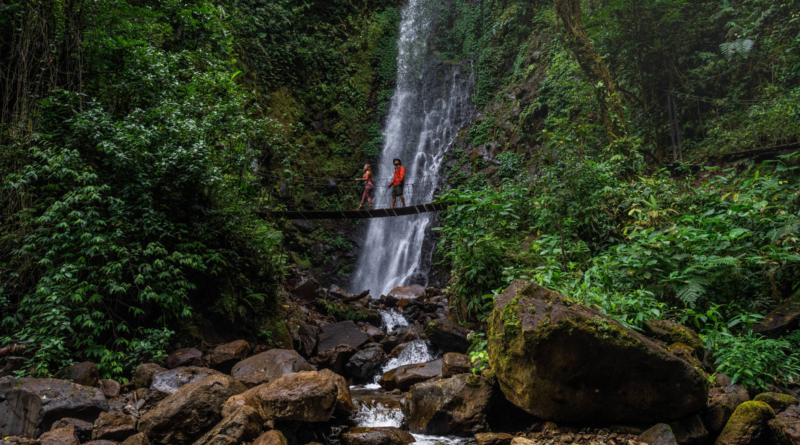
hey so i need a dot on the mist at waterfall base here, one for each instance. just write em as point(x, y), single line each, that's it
point(430, 104)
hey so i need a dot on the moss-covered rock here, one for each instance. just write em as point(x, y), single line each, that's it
point(777, 401)
point(748, 425)
point(670, 332)
point(562, 361)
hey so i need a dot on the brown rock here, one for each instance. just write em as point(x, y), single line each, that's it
point(85, 374)
point(690, 430)
point(563, 361)
point(235, 350)
point(723, 402)
point(268, 366)
point(114, 426)
point(448, 335)
point(101, 442)
point(306, 396)
point(242, 425)
point(306, 290)
point(364, 364)
point(60, 436)
point(143, 376)
point(376, 333)
point(376, 436)
point(185, 415)
point(405, 292)
point(273, 437)
point(82, 428)
point(37, 403)
point(343, 333)
point(493, 438)
point(786, 426)
point(454, 363)
point(185, 357)
point(336, 358)
point(137, 439)
point(660, 434)
point(462, 405)
point(344, 402)
point(109, 387)
point(308, 337)
point(170, 381)
point(403, 377)
point(748, 425)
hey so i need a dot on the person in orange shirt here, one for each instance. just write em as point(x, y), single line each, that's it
point(398, 182)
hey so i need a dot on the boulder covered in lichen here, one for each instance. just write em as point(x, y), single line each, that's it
point(565, 362)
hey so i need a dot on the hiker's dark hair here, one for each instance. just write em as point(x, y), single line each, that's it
point(399, 161)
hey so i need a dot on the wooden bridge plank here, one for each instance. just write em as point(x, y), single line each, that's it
point(352, 214)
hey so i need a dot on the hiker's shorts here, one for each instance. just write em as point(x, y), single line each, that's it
point(397, 190)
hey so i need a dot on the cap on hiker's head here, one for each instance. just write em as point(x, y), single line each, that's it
point(398, 161)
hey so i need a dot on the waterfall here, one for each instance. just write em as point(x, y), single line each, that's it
point(430, 103)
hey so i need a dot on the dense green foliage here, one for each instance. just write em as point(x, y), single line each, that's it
point(712, 247)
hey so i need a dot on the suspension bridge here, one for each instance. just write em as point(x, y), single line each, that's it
point(293, 197)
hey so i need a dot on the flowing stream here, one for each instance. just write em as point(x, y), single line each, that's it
point(430, 103)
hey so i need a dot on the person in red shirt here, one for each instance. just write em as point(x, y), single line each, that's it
point(398, 182)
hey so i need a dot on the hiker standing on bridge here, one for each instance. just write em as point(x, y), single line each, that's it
point(398, 182)
point(367, 186)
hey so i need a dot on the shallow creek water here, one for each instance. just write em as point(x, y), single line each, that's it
point(377, 407)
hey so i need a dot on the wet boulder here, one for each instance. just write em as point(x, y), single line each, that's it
point(143, 376)
point(403, 377)
point(35, 404)
point(172, 380)
point(85, 373)
point(564, 362)
point(243, 425)
point(385, 435)
point(344, 402)
point(306, 289)
point(137, 439)
point(60, 436)
point(343, 333)
point(404, 293)
point(273, 437)
point(335, 359)
point(448, 335)
point(376, 333)
point(785, 427)
point(185, 357)
point(304, 397)
point(229, 353)
point(777, 401)
point(462, 405)
point(114, 426)
point(724, 398)
point(661, 434)
point(308, 338)
point(454, 363)
point(82, 428)
point(690, 430)
point(363, 365)
point(110, 387)
point(493, 438)
point(268, 366)
point(185, 415)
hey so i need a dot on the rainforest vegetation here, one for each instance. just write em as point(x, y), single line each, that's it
point(636, 156)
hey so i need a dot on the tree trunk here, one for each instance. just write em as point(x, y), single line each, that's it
point(591, 63)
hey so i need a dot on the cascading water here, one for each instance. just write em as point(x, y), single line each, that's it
point(430, 103)
point(392, 319)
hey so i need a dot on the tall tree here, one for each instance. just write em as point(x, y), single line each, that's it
point(591, 62)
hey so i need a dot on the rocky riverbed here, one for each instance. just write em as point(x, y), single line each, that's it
point(393, 370)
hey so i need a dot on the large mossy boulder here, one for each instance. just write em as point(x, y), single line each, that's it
point(564, 362)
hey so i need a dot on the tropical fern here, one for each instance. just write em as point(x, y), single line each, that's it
point(692, 290)
point(743, 47)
